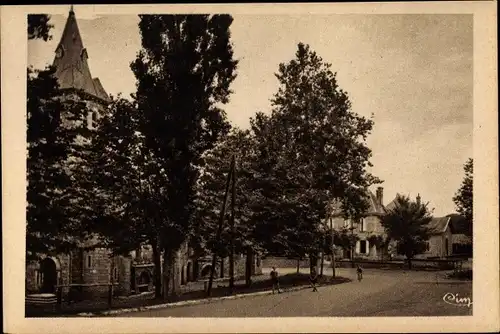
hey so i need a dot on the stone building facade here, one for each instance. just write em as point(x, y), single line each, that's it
point(369, 225)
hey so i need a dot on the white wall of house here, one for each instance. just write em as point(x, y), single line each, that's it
point(438, 246)
point(369, 225)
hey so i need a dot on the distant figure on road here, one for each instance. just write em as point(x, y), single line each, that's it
point(359, 271)
point(275, 280)
point(314, 278)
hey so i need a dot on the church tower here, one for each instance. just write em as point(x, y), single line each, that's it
point(73, 72)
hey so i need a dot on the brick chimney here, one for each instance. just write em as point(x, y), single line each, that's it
point(380, 195)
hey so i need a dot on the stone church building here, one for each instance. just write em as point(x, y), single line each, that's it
point(87, 271)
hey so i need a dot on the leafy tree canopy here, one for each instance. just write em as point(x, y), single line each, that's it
point(464, 196)
point(407, 224)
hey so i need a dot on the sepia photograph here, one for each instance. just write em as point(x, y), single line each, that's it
point(250, 165)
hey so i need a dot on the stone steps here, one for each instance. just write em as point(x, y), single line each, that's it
point(41, 299)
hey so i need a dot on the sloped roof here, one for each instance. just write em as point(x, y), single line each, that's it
point(438, 224)
point(374, 207)
point(458, 223)
point(72, 69)
point(392, 204)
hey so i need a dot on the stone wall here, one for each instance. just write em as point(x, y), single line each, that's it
point(282, 262)
point(96, 270)
point(123, 267)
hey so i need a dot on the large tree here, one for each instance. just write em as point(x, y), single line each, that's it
point(464, 196)
point(129, 184)
point(183, 72)
point(407, 225)
point(53, 126)
point(39, 27)
point(311, 149)
point(211, 187)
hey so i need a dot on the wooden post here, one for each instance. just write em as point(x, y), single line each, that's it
point(111, 279)
point(332, 262)
point(322, 263)
point(219, 231)
point(231, 247)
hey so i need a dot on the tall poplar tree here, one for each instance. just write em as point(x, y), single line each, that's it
point(183, 73)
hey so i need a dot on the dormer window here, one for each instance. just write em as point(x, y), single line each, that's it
point(84, 54)
point(60, 51)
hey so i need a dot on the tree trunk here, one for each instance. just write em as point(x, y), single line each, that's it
point(221, 267)
point(352, 257)
point(298, 265)
point(157, 263)
point(170, 282)
point(313, 261)
point(322, 263)
point(409, 263)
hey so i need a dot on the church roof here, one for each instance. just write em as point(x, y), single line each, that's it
point(72, 68)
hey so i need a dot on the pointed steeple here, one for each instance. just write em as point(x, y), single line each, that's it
point(72, 69)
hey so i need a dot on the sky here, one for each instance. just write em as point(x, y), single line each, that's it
point(412, 72)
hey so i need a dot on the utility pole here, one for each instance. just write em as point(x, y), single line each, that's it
point(219, 231)
point(231, 247)
point(333, 248)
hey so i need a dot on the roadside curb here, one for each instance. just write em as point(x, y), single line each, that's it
point(192, 302)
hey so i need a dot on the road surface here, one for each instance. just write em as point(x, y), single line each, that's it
point(380, 293)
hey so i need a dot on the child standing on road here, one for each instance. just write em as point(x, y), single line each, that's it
point(359, 271)
point(275, 280)
point(314, 278)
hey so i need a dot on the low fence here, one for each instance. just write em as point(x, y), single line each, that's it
point(54, 302)
point(283, 262)
point(438, 263)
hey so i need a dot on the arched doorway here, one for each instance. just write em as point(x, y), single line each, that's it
point(205, 271)
point(48, 270)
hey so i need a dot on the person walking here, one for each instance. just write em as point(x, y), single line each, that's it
point(359, 271)
point(314, 278)
point(275, 280)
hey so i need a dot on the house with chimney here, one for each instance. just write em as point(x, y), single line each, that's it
point(365, 229)
point(447, 234)
point(443, 232)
